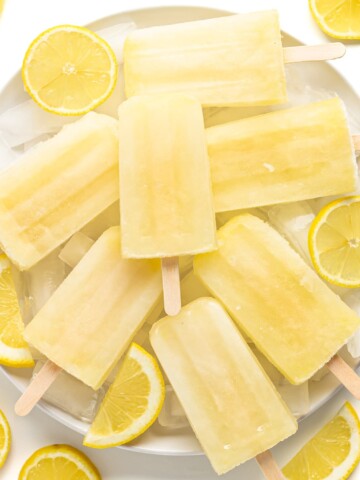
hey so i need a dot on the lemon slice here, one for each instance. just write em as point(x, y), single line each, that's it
point(334, 242)
point(14, 351)
point(333, 453)
point(131, 404)
point(5, 438)
point(339, 19)
point(57, 462)
point(69, 70)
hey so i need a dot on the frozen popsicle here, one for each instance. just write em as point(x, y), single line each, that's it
point(293, 318)
point(232, 406)
point(294, 154)
point(166, 200)
point(233, 60)
point(90, 320)
point(57, 187)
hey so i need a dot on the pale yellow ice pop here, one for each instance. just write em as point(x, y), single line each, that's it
point(232, 406)
point(234, 60)
point(91, 318)
point(57, 187)
point(166, 200)
point(293, 318)
point(165, 189)
point(295, 154)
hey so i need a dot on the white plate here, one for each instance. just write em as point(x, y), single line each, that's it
point(317, 75)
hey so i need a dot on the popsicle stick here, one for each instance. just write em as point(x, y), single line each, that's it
point(305, 53)
point(37, 388)
point(269, 467)
point(356, 140)
point(347, 376)
point(171, 285)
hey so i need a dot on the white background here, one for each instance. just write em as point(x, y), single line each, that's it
point(22, 20)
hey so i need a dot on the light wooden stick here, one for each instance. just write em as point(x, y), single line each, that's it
point(327, 51)
point(171, 285)
point(347, 376)
point(37, 388)
point(356, 140)
point(269, 467)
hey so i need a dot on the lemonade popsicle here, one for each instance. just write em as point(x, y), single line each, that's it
point(57, 187)
point(233, 60)
point(232, 406)
point(293, 318)
point(89, 321)
point(165, 188)
point(295, 154)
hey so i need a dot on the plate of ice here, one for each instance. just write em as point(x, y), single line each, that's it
point(23, 124)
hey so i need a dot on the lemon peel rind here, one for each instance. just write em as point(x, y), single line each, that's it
point(94, 441)
point(317, 222)
point(60, 451)
point(96, 103)
point(7, 446)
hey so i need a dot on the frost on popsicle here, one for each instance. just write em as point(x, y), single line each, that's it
point(72, 396)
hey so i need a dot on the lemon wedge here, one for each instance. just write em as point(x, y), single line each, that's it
point(58, 462)
point(338, 19)
point(69, 70)
point(333, 453)
point(132, 403)
point(5, 438)
point(14, 351)
point(334, 242)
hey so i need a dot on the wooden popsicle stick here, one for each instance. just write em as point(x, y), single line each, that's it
point(356, 141)
point(37, 388)
point(305, 53)
point(269, 467)
point(347, 376)
point(171, 285)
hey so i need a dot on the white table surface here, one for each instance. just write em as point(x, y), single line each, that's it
point(22, 20)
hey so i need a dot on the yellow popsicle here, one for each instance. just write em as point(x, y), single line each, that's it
point(293, 318)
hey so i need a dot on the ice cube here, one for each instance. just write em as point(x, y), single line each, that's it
point(320, 374)
point(224, 217)
point(274, 374)
point(295, 396)
point(352, 299)
point(293, 221)
point(192, 288)
point(7, 154)
point(111, 105)
point(172, 414)
point(75, 249)
point(72, 396)
point(115, 36)
point(35, 141)
point(44, 278)
point(27, 121)
point(106, 219)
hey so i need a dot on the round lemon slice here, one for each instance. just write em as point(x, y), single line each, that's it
point(14, 351)
point(58, 462)
point(338, 19)
point(69, 70)
point(334, 242)
point(131, 404)
point(333, 453)
point(5, 438)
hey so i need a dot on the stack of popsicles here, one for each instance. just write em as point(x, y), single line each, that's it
point(174, 175)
